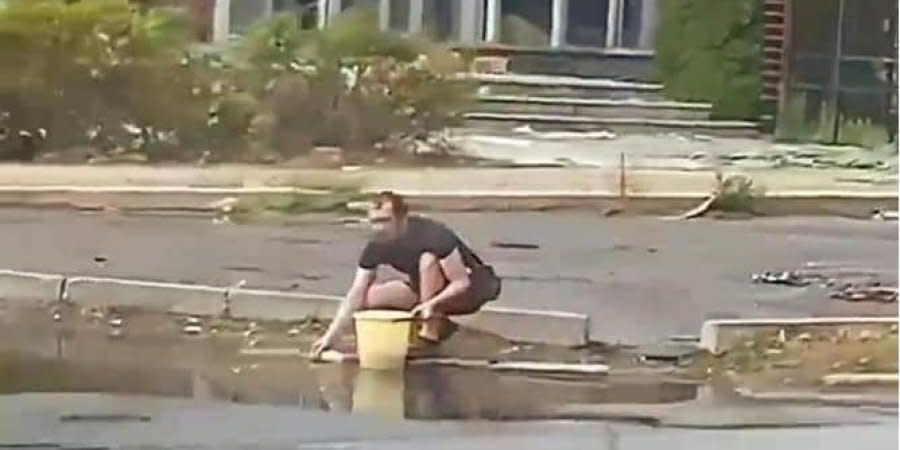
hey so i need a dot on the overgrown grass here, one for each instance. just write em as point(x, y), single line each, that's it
point(795, 125)
point(279, 206)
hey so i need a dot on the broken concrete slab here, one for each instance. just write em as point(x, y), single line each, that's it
point(155, 296)
point(30, 288)
point(821, 398)
point(551, 327)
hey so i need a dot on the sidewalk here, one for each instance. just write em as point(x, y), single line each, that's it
point(454, 188)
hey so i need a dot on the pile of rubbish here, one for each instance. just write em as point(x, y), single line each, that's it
point(853, 285)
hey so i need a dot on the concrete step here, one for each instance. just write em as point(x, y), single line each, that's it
point(592, 107)
point(560, 86)
point(619, 125)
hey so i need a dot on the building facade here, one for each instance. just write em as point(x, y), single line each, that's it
point(591, 24)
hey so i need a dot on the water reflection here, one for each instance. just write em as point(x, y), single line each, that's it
point(35, 357)
point(421, 393)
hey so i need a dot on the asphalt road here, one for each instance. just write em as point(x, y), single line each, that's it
point(33, 419)
point(638, 278)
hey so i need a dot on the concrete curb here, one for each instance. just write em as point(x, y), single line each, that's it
point(851, 379)
point(29, 288)
point(550, 327)
point(158, 296)
point(828, 399)
point(715, 335)
point(200, 199)
point(554, 327)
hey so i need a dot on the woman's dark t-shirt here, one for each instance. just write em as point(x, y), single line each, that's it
point(421, 235)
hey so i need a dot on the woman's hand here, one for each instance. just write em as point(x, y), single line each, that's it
point(321, 344)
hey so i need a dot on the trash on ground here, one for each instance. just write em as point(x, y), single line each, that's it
point(192, 330)
point(880, 294)
point(514, 245)
point(698, 210)
point(884, 215)
point(786, 278)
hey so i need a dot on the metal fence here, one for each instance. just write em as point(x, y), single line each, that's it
point(841, 79)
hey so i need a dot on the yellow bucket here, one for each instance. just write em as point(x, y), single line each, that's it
point(382, 338)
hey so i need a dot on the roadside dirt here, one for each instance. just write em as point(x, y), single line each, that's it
point(785, 360)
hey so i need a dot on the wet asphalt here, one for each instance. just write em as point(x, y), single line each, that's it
point(639, 279)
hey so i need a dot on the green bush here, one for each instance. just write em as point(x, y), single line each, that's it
point(351, 84)
point(70, 67)
point(115, 77)
point(711, 50)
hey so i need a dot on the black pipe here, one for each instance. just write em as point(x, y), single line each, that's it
point(836, 72)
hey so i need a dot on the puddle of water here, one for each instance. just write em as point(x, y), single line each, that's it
point(40, 355)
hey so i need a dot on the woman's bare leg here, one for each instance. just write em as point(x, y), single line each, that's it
point(393, 294)
point(431, 281)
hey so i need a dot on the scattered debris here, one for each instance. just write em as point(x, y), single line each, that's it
point(312, 276)
point(193, 320)
point(293, 332)
point(879, 294)
point(612, 211)
point(223, 209)
point(529, 130)
point(867, 335)
point(864, 361)
point(803, 337)
point(686, 338)
point(515, 245)
point(115, 332)
point(884, 215)
point(240, 268)
point(192, 330)
point(57, 316)
point(787, 278)
point(782, 336)
point(698, 155)
point(850, 284)
point(93, 314)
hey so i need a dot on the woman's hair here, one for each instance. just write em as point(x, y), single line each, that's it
point(398, 204)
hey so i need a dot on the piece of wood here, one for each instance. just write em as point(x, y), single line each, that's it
point(550, 367)
point(697, 211)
